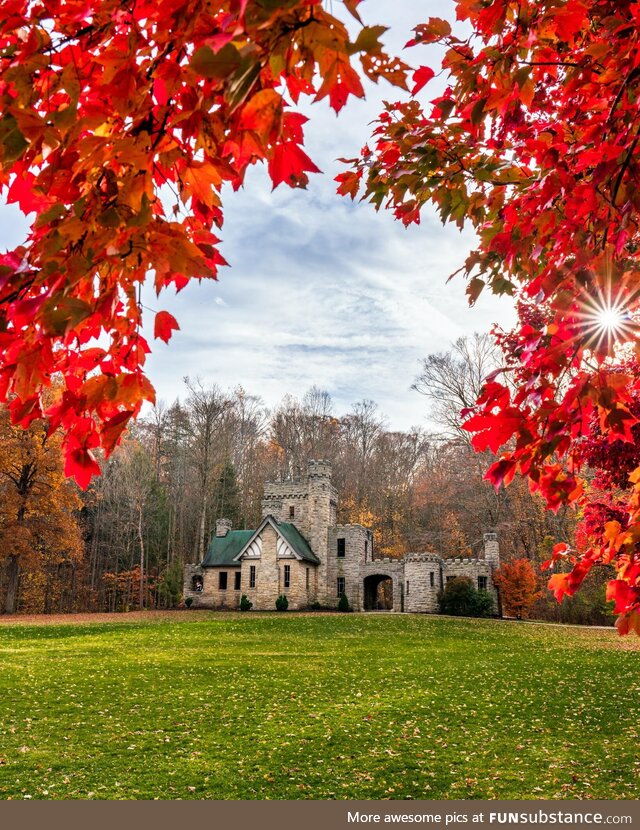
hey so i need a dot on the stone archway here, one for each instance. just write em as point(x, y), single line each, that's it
point(374, 598)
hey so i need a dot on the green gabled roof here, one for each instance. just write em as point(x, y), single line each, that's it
point(297, 541)
point(224, 549)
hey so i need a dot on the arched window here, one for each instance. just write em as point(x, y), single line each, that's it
point(197, 584)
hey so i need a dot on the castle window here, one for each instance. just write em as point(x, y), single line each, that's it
point(238, 580)
point(287, 576)
point(341, 586)
point(450, 577)
point(341, 548)
point(252, 576)
point(482, 583)
point(432, 580)
point(307, 579)
point(407, 587)
point(197, 585)
point(292, 511)
point(222, 581)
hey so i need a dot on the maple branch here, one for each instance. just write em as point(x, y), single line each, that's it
point(300, 24)
point(624, 167)
point(88, 29)
point(625, 83)
point(19, 293)
point(555, 63)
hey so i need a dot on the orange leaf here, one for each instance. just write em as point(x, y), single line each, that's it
point(263, 114)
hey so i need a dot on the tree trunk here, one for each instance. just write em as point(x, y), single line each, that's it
point(202, 531)
point(141, 538)
point(13, 572)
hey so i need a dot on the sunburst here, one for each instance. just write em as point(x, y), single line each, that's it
point(607, 320)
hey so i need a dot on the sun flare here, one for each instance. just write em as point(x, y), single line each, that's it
point(607, 321)
point(611, 319)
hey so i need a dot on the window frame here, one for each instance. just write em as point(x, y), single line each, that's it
point(223, 580)
point(237, 581)
point(341, 580)
point(341, 548)
point(252, 576)
point(286, 579)
point(483, 583)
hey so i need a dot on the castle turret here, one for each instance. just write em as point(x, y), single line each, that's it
point(491, 550)
point(322, 514)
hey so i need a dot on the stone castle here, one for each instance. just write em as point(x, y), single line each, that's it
point(299, 550)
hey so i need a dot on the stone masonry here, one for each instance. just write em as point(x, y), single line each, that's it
point(301, 552)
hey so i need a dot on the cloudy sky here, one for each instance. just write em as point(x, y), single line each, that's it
point(320, 290)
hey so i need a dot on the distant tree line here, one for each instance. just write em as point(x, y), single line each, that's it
point(208, 454)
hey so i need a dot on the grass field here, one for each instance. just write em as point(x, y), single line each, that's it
point(317, 706)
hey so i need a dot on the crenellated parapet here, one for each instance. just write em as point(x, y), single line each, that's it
point(423, 557)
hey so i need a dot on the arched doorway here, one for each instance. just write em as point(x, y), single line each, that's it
point(378, 593)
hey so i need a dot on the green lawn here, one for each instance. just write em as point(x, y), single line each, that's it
point(317, 706)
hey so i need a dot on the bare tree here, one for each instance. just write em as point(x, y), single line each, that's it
point(207, 409)
point(304, 429)
point(361, 428)
point(137, 476)
point(452, 380)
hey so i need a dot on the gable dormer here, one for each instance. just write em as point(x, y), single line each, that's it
point(290, 543)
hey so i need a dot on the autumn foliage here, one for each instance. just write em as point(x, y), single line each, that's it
point(518, 585)
point(119, 126)
point(535, 142)
point(40, 538)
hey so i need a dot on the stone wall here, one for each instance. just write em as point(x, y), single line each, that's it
point(297, 594)
point(357, 539)
point(321, 496)
point(422, 581)
point(270, 577)
point(492, 550)
point(188, 591)
point(280, 497)
point(263, 596)
point(211, 596)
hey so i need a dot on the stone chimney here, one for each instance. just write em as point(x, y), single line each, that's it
point(223, 526)
point(491, 550)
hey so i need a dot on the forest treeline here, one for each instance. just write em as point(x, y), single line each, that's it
point(123, 543)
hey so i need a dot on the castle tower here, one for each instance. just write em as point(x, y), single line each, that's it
point(288, 501)
point(322, 502)
point(421, 582)
point(310, 504)
point(492, 550)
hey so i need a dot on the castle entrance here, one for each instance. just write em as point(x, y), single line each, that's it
point(378, 593)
